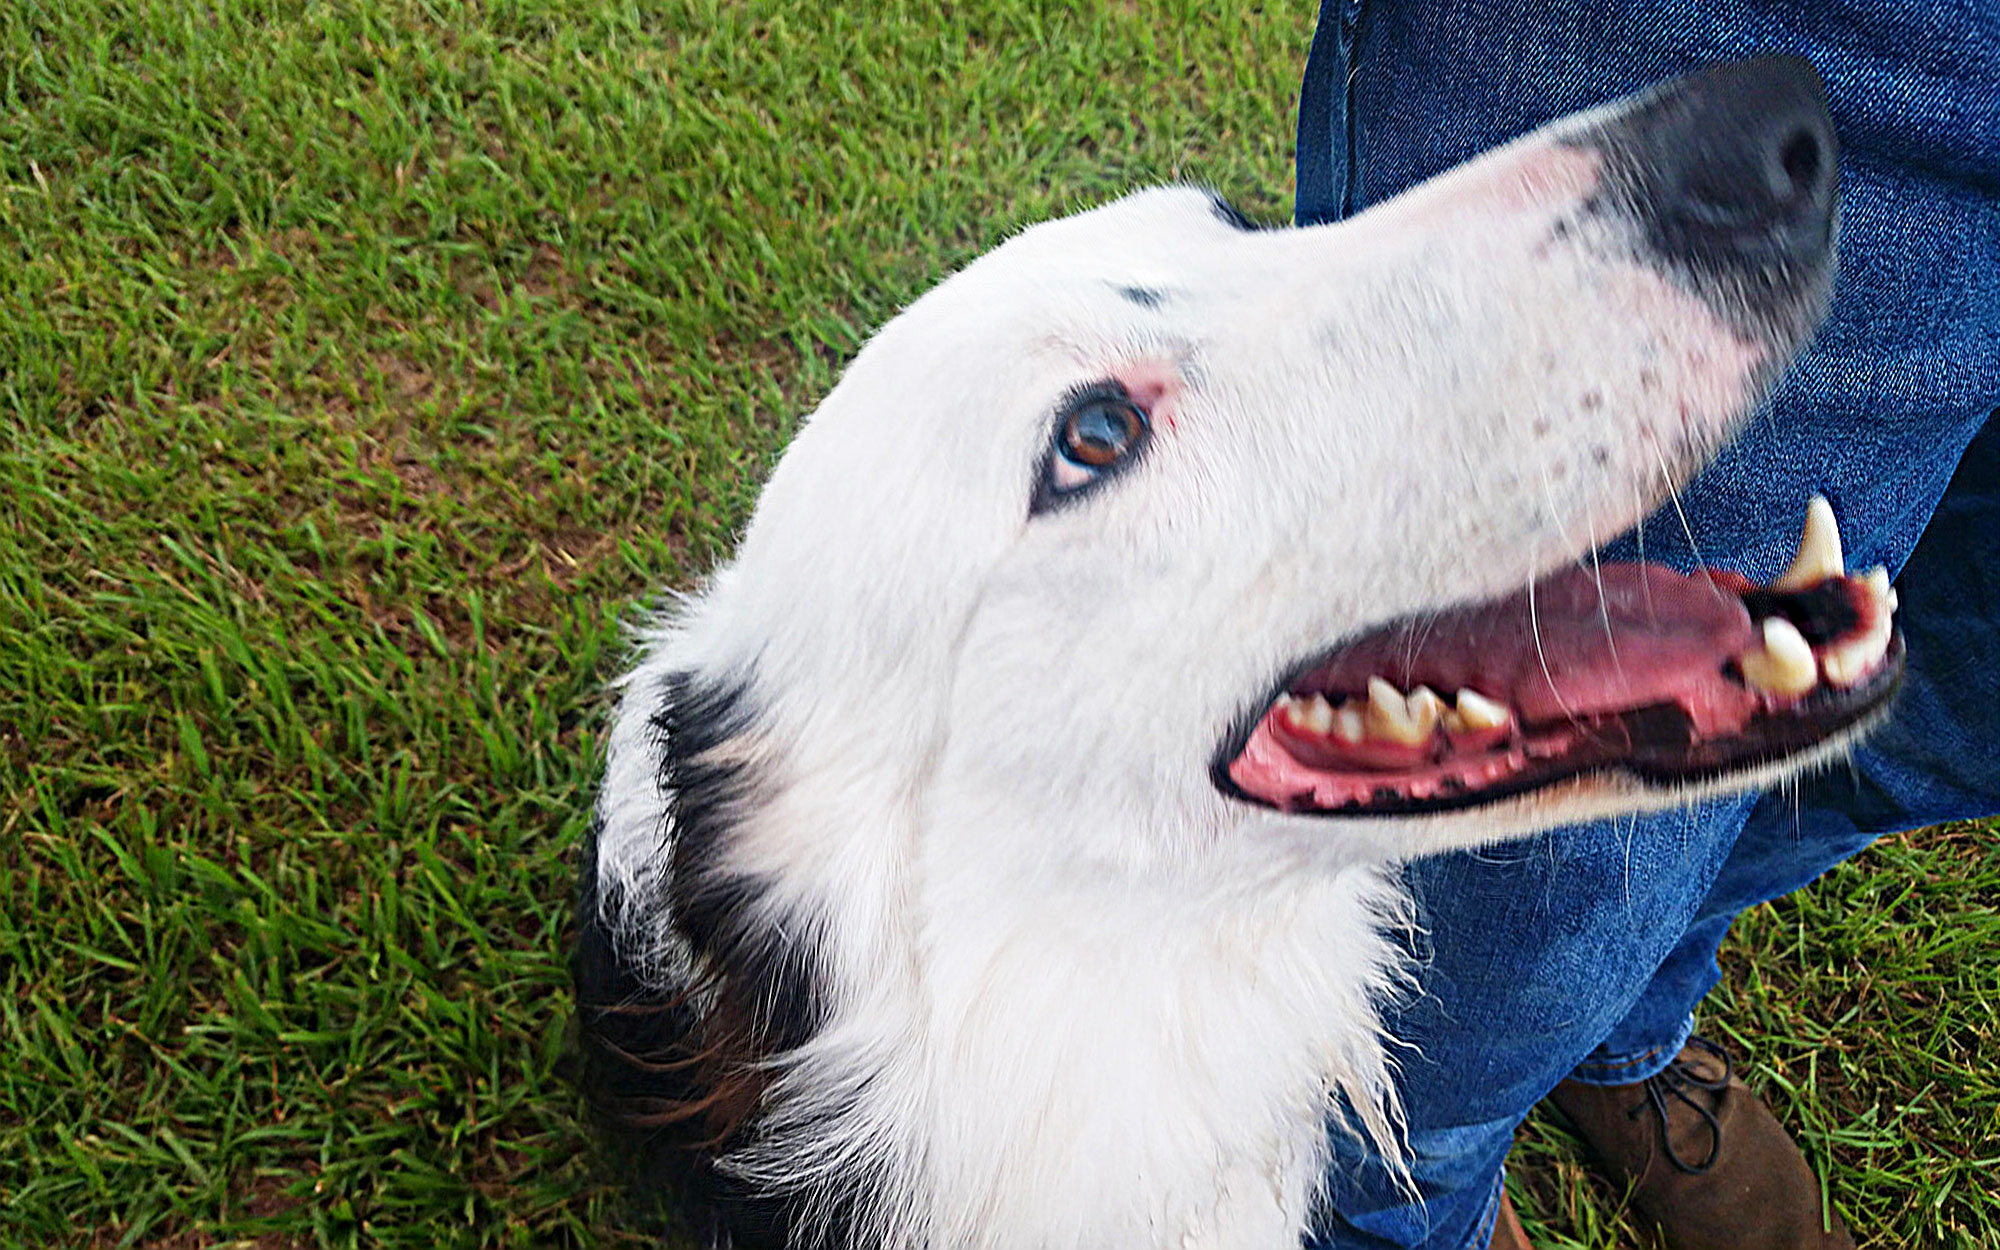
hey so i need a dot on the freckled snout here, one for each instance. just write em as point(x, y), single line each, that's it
point(1731, 174)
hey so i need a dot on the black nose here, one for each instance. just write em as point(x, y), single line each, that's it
point(1733, 169)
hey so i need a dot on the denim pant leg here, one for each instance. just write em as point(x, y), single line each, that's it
point(1937, 759)
point(1592, 944)
point(1529, 953)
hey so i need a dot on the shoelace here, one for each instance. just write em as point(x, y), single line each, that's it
point(1674, 1081)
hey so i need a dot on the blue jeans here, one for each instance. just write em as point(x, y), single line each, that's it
point(1584, 952)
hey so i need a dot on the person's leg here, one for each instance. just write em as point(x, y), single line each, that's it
point(1937, 759)
point(1934, 760)
point(1550, 952)
point(1530, 952)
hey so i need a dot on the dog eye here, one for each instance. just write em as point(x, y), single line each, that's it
point(1098, 432)
point(1101, 433)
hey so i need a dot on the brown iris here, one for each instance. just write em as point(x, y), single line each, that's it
point(1101, 432)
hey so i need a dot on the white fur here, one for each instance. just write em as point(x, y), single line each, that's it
point(1078, 997)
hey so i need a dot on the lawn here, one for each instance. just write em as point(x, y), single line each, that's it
point(365, 367)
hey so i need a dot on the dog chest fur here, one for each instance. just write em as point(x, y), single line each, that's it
point(1009, 1057)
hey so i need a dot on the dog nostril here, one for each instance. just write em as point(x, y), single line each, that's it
point(1736, 171)
point(1801, 160)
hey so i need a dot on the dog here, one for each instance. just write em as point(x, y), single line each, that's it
point(999, 851)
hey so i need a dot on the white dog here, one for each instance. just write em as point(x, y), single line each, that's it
point(997, 852)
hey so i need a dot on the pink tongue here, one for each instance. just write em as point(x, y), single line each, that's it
point(1651, 636)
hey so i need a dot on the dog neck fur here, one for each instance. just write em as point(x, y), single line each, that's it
point(1005, 1053)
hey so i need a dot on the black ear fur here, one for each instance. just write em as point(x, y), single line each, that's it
point(670, 1073)
point(629, 1041)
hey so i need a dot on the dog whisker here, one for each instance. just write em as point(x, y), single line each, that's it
point(1541, 652)
point(1673, 493)
point(1414, 639)
point(1555, 511)
point(1603, 608)
point(1639, 537)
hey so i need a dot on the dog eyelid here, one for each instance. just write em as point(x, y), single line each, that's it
point(1066, 477)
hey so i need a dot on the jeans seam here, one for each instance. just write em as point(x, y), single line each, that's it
point(1595, 1072)
point(1482, 1232)
point(1356, 13)
point(1644, 1056)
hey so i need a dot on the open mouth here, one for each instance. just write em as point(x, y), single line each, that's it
point(1627, 668)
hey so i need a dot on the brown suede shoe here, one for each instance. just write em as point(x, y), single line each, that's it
point(1704, 1157)
point(1507, 1231)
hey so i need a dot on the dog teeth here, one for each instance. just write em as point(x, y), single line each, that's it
point(1784, 665)
point(1476, 711)
point(1877, 580)
point(1819, 556)
point(1392, 717)
point(1386, 714)
point(1314, 714)
point(1847, 664)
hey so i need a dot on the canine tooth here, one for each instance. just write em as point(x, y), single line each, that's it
point(1819, 556)
point(1784, 664)
point(1394, 718)
point(1476, 711)
point(1387, 709)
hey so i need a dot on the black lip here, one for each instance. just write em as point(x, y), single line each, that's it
point(1653, 745)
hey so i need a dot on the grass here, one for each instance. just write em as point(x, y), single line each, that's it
point(1869, 1005)
point(364, 364)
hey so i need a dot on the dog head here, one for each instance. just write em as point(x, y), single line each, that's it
point(1102, 546)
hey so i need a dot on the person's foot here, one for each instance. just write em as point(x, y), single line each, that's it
point(1704, 1157)
point(1507, 1231)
